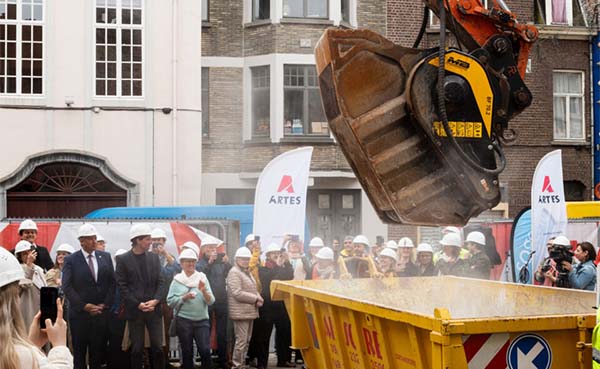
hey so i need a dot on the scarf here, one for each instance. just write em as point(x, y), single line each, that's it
point(191, 281)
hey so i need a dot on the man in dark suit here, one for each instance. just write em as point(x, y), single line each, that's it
point(28, 231)
point(88, 282)
point(142, 287)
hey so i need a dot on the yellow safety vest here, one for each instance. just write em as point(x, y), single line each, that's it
point(596, 343)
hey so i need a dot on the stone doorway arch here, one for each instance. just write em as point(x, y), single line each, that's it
point(64, 184)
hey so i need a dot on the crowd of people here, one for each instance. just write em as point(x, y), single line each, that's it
point(121, 310)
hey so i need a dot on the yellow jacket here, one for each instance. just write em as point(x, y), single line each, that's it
point(253, 267)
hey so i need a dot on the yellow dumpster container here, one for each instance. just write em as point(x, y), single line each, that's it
point(437, 322)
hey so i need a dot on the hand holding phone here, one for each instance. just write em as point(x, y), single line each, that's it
point(48, 305)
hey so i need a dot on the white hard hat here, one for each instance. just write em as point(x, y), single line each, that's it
point(405, 242)
point(325, 253)
point(10, 269)
point(158, 233)
point(188, 254)
point(424, 247)
point(272, 248)
point(65, 247)
point(316, 242)
point(28, 224)
point(391, 244)
point(22, 246)
point(249, 238)
point(99, 237)
point(451, 239)
point(243, 252)
point(389, 253)
point(120, 252)
point(451, 229)
point(192, 246)
point(476, 237)
point(139, 229)
point(86, 230)
point(561, 240)
point(361, 239)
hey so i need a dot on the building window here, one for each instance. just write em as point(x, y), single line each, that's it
point(261, 9)
point(119, 48)
point(560, 12)
point(261, 106)
point(303, 111)
point(345, 4)
point(305, 8)
point(21, 47)
point(205, 102)
point(205, 10)
point(568, 106)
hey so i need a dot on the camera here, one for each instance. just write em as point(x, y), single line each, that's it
point(558, 254)
point(220, 257)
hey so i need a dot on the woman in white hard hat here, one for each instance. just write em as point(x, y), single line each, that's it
point(425, 265)
point(450, 262)
point(405, 266)
point(324, 268)
point(479, 265)
point(189, 296)
point(19, 350)
point(53, 277)
point(244, 301)
point(386, 262)
point(34, 280)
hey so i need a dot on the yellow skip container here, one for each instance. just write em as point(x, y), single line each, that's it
point(437, 322)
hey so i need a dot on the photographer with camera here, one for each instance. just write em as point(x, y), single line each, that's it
point(551, 271)
point(583, 275)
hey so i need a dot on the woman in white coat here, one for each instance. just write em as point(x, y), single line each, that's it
point(20, 350)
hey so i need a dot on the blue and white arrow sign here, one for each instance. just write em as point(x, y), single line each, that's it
point(529, 351)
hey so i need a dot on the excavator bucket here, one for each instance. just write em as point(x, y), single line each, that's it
point(380, 101)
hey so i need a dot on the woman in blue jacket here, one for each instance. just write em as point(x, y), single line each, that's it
point(583, 275)
point(189, 296)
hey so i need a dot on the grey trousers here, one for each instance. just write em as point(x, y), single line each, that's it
point(243, 332)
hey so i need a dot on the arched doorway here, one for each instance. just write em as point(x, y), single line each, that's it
point(64, 190)
point(64, 185)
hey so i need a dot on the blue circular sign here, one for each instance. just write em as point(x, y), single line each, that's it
point(529, 351)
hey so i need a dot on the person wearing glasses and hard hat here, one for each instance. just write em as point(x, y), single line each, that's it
point(19, 348)
point(28, 231)
point(479, 263)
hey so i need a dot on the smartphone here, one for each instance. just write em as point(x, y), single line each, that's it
point(48, 307)
point(220, 257)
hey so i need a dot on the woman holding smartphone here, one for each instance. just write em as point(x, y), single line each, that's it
point(19, 349)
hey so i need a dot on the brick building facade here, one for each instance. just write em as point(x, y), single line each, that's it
point(252, 49)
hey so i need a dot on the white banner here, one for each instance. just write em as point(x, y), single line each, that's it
point(280, 200)
point(548, 207)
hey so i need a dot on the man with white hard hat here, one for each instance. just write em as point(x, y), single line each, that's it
point(88, 282)
point(479, 263)
point(100, 242)
point(28, 231)
point(142, 287)
point(314, 246)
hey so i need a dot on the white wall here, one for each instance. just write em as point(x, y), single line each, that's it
point(138, 144)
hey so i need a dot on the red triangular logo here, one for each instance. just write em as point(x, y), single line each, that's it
point(286, 184)
point(547, 187)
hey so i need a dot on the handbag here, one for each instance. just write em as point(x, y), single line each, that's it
point(173, 325)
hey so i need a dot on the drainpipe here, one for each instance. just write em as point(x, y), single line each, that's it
point(174, 102)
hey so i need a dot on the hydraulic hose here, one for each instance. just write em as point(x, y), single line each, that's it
point(423, 26)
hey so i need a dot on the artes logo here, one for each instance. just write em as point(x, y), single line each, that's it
point(547, 188)
point(285, 187)
point(286, 184)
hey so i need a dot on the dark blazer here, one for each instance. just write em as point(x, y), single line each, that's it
point(130, 283)
point(43, 259)
point(79, 285)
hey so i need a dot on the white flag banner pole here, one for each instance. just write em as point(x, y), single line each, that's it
point(548, 207)
point(280, 200)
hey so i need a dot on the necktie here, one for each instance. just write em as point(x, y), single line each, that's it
point(91, 264)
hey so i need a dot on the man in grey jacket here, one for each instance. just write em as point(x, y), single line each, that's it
point(244, 301)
